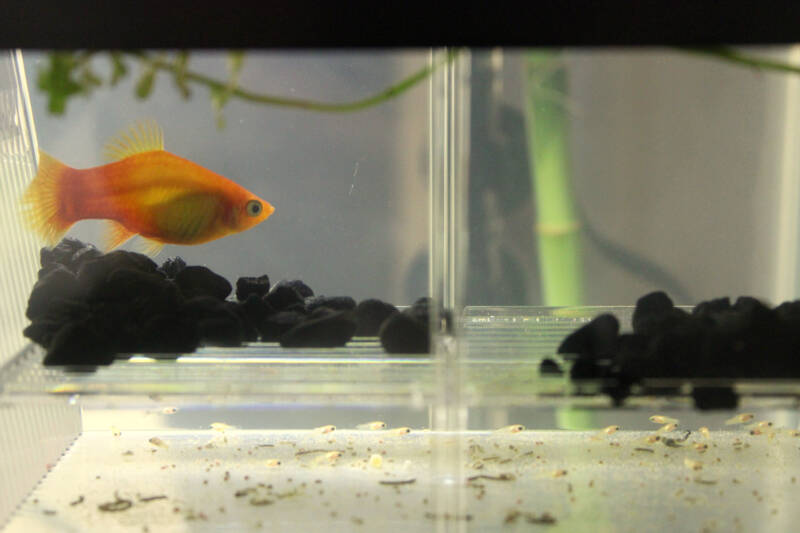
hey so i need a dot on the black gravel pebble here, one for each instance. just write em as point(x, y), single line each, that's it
point(716, 340)
point(370, 314)
point(103, 305)
point(171, 267)
point(122, 302)
point(302, 289)
point(403, 333)
point(280, 297)
point(206, 307)
point(595, 340)
point(220, 332)
point(651, 310)
point(200, 280)
point(588, 369)
point(169, 334)
point(58, 283)
point(252, 312)
point(97, 269)
point(339, 303)
point(126, 284)
point(247, 286)
point(712, 307)
point(277, 324)
point(69, 253)
point(550, 367)
point(707, 398)
point(324, 330)
point(42, 331)
point(420, 310)
point(78, 343)
point(59, 312)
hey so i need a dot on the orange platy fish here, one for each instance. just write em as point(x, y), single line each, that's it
point(145, 191)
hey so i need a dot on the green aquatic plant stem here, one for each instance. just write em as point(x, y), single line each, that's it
point(309, 105)
point(746, 60)
point(557, 228)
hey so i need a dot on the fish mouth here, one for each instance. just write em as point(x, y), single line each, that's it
point(268, 209)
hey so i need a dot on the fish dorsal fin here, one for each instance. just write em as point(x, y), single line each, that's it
point(142, 136)
point(148, 247)
point(116, 234)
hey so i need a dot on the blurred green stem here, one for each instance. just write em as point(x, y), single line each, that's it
point(557, 227)
point(309, 105)
point(732, 56)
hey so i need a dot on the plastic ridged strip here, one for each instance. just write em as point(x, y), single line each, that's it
point(35, 434)
point(18, 249)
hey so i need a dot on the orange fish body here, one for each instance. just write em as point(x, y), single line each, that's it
point(149, 192)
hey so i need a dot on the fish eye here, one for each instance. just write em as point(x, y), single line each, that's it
point(253, 208)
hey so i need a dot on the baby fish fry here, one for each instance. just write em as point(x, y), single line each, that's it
point(609, 430)
point(693, 465)
point(651, 439)
point(155, 441)
point(661, 419)
point(372, 426)
point(763, 424)
point(739, 419)
point(513, 428)
point(376, 460)
point(331, 457)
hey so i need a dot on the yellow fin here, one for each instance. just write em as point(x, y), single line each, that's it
point(142, 136)
point(39, 205)
point(148, 247)
point(116, 234)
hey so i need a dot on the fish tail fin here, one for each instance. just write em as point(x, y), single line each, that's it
point(41, 205)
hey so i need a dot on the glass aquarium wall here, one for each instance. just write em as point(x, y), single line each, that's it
point(574, 217)
point(347, 182)
point(339, 144)
point(598, 175)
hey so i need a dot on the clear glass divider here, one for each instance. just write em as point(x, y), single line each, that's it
point(449, 101)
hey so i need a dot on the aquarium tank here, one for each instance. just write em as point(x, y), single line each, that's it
point(449, 289)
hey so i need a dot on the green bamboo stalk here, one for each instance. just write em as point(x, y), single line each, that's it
point(557, 228)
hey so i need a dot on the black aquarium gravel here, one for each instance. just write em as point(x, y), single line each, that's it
point(87, 308)
point(717, 340)
point(281, 297)
point(302, 289)
point(323, 329)
point(341, 303)
point(200, 280)
point(370, 314)
point(276, 324)
point(252, 286)
point(405, 333)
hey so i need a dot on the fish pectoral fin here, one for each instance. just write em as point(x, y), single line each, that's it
point(148, 247)
point(115, 235)
point(142, 136)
